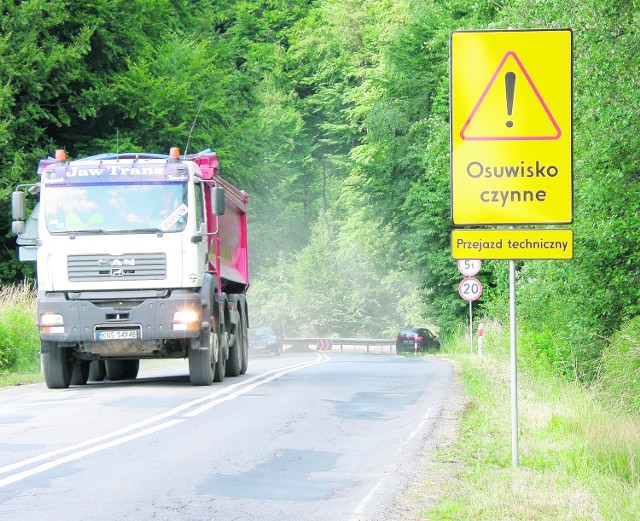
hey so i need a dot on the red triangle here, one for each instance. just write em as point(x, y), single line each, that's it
point(536, 92)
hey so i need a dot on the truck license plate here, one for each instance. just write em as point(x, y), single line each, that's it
point(118, 334)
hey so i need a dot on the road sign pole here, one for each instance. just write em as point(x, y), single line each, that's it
point(514, 364)
point(470, 327)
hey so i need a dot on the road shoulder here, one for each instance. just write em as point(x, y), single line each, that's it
point(432, 471)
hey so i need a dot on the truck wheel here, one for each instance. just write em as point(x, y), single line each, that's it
point(201, 361)
point(245, 347)
point(58, 366)
point(114, 370)
point(130, 369)
point(220, 366)
point(97, 371)
point(236, 351)
point(80, 373)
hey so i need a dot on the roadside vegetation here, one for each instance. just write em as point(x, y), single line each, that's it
point(19, 341)
point(579, 447)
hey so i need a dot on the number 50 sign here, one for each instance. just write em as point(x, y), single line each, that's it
point(470, 289)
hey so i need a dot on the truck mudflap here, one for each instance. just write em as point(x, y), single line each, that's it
point(134, 317)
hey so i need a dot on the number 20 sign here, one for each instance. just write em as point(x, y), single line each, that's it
point(470, 289)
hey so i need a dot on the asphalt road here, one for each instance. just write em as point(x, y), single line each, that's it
point(307, 436)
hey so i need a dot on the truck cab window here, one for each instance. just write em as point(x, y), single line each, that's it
point(199, 204)
point(116, 207)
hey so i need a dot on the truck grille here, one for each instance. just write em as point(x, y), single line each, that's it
point(135, 266)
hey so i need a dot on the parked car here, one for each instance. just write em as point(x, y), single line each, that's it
point(264, 339)
point(410, 339)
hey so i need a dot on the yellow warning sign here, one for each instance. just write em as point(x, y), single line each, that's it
point(512, 244)
point(511, 127)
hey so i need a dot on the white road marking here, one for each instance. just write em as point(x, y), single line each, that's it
point(19, 476)
point(380, 483)
point(99, 443)
point(247, 388)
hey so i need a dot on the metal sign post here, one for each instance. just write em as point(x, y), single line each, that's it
point(470, 289)
point(514, 364)
point(469, 268)
point(470, 327)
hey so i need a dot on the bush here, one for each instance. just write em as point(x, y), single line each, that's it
point(619, 375)
point(19, 340)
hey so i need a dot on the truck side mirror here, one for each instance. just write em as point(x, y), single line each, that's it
point(18, 227)
point(18, 205)
point(18, 212)
point(217, 200)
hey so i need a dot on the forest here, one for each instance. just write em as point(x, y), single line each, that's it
point(334, 116)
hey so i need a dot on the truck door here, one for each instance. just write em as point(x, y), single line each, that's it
point(203, 245)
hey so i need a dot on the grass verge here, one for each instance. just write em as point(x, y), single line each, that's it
point(21, 378)
point(19, 340)
point(579, 459)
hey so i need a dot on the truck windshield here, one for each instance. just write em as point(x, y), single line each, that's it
point(126, 207)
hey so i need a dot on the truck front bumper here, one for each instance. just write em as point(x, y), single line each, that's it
point(136, 316)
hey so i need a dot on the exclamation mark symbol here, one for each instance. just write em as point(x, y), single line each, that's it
point(510, 89)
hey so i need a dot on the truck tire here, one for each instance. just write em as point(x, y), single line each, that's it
point(57, 364)
point(220, 366)
point(80, 373)
point(234, 364)
point(236, 350)
point(122, 369)
point(97, 371)
point(202, 361)
point(245, 345)
point(113, 369)
point(131, 368)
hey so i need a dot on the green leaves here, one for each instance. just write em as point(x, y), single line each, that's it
point(334, 116)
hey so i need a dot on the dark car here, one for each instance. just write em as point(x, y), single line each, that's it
point(415, 339)
point(263, 339)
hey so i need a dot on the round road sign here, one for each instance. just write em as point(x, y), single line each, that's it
point(469, 267)
point(470, 289)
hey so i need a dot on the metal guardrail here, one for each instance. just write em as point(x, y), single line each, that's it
point(327, 344)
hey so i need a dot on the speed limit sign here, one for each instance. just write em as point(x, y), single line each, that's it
point(469, 267)
point(470, 289)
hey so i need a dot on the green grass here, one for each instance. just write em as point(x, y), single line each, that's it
point(21, 378)
point(579, 458)
point(19, 340)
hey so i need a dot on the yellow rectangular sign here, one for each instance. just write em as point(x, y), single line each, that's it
point(511, 127)
point(512, 244)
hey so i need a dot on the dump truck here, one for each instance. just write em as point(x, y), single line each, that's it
point(138, 256)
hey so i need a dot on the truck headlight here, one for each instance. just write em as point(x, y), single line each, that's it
point(51, 323)
point(186, 320)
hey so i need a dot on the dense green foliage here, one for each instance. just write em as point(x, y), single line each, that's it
point(333, 114)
